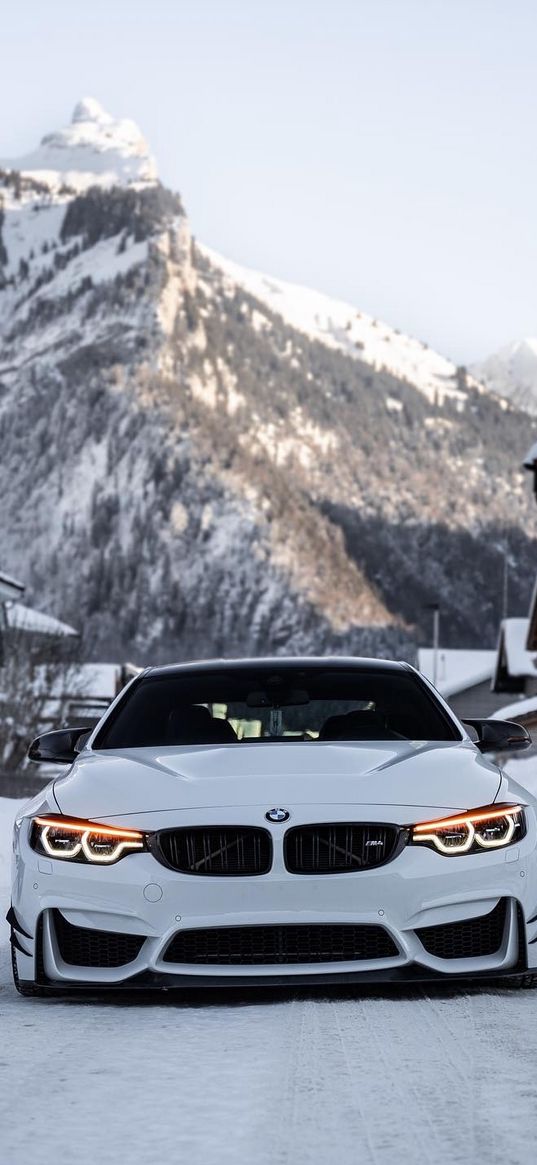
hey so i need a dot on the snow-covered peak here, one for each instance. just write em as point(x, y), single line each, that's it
point(89, 109)
point(95, 148)
point(512, 372)
point(339, 325)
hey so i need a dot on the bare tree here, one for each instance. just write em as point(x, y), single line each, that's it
point(39, 672)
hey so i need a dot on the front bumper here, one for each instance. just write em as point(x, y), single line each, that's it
point(138, 896)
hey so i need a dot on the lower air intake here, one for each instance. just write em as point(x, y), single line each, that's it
point(81, 947)
point(269, 945)
point(473, 938)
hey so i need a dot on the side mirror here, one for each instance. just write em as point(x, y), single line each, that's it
point(58, 748)
point(500, 735)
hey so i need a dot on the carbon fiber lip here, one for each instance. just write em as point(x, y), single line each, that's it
point(156, 981)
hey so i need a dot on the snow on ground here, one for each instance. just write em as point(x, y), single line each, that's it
point(30, 226)
point(310, 1077)
point(520, 707)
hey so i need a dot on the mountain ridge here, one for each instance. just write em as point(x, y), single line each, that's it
point(511, 372)
point(225, 477)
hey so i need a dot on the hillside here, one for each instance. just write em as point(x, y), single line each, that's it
point(512, 373)
point(196, 459)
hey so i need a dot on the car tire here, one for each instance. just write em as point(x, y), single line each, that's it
point(25, 987)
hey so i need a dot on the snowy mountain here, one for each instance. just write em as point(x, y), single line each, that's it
point(94, 148)
point(512, 373)
point(195, 458)
point(342, 327)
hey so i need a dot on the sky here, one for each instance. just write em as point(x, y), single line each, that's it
point(380, 151)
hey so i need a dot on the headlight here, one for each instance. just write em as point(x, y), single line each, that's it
point(491, 827)
point(83, 841)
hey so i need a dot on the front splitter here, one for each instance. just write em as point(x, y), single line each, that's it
point(157, 981)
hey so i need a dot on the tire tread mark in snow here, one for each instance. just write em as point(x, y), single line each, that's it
point(322, 1119)
point(439, 1014)
point(381, 1019)
point(352, 1077)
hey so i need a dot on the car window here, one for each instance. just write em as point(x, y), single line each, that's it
point(262, 706)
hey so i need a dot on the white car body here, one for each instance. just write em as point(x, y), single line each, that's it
point(401, 782)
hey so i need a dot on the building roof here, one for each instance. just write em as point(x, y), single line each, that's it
point(10, 588)
point(458, 668)
point(531, 638)
point(513, 662)
point(22, 618)
point(531, 457)
point(520, 661)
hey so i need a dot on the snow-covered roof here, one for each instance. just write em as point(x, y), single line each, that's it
point(94, 148)
point(22, 618)
point(10, 588)
point(531, 637)
point(531, 457)
point(512, 651)
point(458, 668)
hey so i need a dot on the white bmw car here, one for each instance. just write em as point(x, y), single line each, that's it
point(275, 821)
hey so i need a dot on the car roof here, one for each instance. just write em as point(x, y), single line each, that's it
point(281, 663)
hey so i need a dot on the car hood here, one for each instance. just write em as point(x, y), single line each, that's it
point(402, 774)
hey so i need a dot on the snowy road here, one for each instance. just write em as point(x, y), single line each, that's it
point(309, 1077)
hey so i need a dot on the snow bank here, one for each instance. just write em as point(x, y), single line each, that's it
point(517, 708)
point(24, 618)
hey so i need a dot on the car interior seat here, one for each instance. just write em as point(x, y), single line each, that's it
point(360, 724)
point(193, 724)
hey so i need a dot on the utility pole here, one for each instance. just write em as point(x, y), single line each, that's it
point(505, 589)
point(435, 608)
point(436, 641)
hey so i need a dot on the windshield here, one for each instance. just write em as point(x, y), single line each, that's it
point(258, 705)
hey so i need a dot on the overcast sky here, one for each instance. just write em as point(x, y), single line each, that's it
point(379, 150)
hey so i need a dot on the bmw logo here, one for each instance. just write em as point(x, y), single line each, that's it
point(278, 815)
